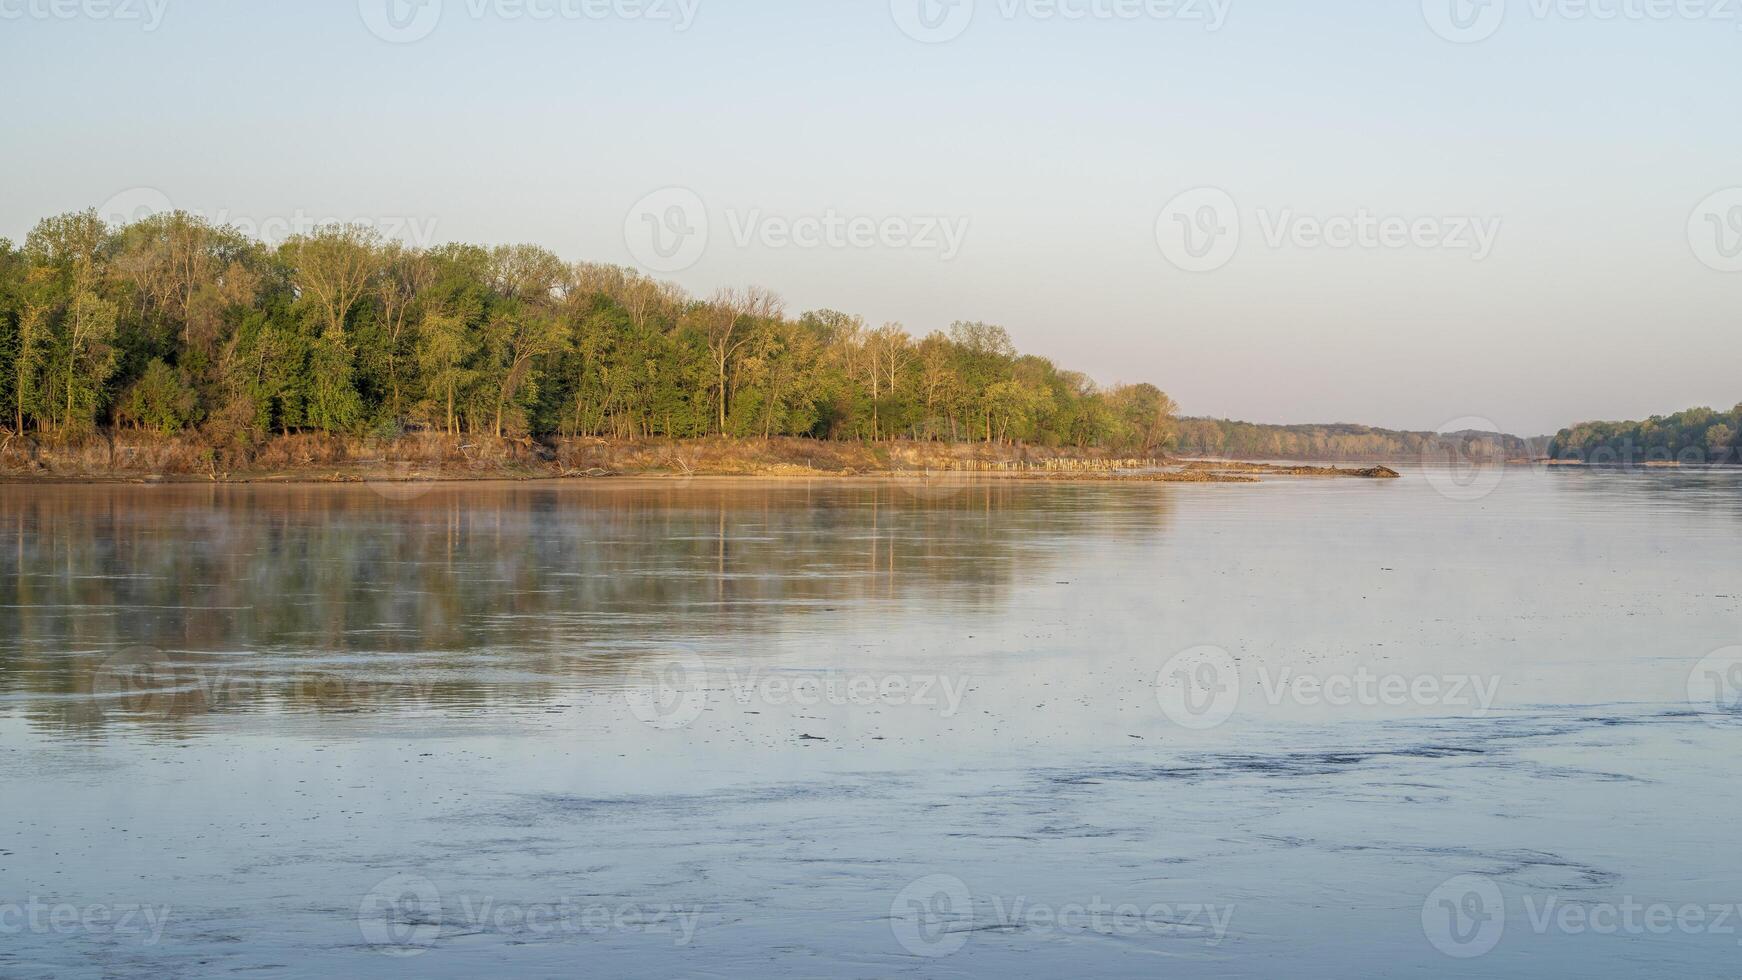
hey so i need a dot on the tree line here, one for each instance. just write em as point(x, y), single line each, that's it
point(1698, 435)
point(1246, 440)
point(172, 324)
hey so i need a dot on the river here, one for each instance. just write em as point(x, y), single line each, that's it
point(1316, 728)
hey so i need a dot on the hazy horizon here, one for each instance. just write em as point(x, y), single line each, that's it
point(1537, 190)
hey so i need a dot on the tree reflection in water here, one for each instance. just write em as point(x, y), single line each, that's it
point(162, 604)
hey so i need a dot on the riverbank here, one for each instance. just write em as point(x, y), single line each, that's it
point(423, 457)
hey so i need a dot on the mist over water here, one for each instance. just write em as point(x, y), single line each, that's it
point(865, 728)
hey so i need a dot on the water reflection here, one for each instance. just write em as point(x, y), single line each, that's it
point(159, 604)
point(1693, 489)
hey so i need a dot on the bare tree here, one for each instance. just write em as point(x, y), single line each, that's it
point(724, 321)
point(892, 352)
point(938, 380)
point(405, 274)
point(528, 272)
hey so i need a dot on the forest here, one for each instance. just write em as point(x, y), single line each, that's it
point(1246, 440)
point(1698, 435)
point(174, 325)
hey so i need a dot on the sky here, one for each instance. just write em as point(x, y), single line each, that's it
point(1405, 213)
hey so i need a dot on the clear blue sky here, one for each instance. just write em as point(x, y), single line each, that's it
point(1059, 140)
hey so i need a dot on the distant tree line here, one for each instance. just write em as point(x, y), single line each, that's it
point(1698, 435)
point(1220, 437)
point(172, 324)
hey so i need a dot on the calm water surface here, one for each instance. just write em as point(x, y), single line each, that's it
point(829, 729)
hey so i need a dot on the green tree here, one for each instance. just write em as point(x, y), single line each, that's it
point(1146, 414)
point(159, 400)
point(87, 357)
point(516, 338)
point(1720, 439)
point(30, 360)
point(441, 354)
point(331, 269)
point(333, 403)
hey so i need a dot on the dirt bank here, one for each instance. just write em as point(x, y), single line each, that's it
point(141, 457)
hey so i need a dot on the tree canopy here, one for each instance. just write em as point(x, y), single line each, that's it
point(172, 324)
point(1698, 435)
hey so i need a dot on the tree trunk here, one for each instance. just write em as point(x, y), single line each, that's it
point(722, 394)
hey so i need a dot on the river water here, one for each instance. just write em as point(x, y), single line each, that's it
point(750, 729)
